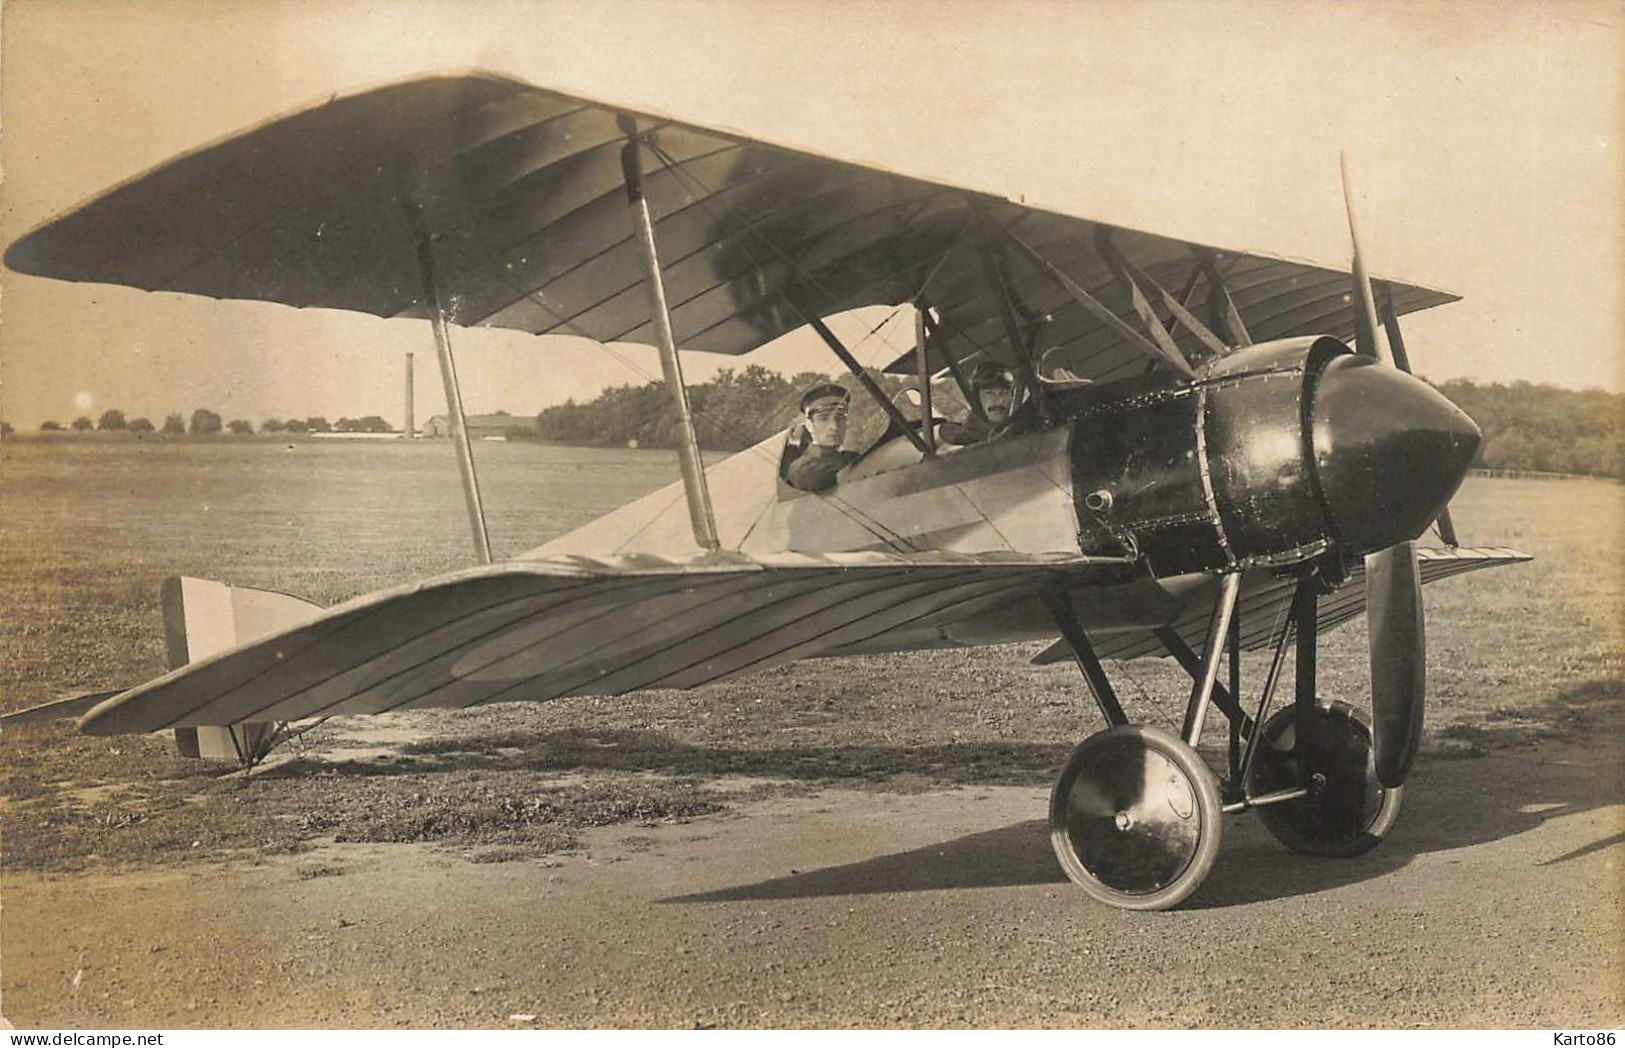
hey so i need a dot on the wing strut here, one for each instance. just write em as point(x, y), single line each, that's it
point(688, 448)
point(1221, 307)
point(922, 351)
point(1101, 312)
point(941, 338)
point(837, 347)
point(1012, 326)
point(1138, 283)
point(454, 395)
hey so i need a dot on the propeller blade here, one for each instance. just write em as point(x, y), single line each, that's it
point(1393, 581)
point(1368, 335)
point(1393, 591)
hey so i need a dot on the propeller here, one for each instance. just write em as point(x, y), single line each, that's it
point(1393, 582)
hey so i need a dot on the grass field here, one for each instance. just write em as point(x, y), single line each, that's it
point(88, 529)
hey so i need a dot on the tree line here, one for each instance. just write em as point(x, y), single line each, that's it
point(1525, 426)
point(731, 411)
point(1539, 427)
point(205, 422)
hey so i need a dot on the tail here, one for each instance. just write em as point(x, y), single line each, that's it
point(202, 617)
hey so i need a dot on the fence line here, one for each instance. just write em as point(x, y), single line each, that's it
point(1538, 474)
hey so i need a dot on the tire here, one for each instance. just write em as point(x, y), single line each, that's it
point(1135, 818)
point(1348, 811)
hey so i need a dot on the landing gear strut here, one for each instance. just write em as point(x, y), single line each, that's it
point(1135, 814)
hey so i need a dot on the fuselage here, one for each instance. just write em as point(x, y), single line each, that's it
point(1279, 453)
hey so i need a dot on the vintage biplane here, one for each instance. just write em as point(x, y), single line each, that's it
point(1211, 468)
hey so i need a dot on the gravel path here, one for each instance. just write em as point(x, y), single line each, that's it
point(1496, 902)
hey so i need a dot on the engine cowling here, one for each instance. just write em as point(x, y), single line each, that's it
point(1277, 453)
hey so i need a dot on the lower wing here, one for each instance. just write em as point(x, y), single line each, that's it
point(539, 630)
point(1265, 600)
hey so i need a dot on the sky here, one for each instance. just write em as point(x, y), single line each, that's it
point(1484, 140)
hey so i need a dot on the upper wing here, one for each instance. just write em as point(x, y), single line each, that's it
point(540, 630)
point(521, 191)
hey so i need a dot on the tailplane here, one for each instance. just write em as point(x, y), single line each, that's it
point(203, 617)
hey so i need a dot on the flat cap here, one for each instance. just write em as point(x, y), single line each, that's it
point(822, 390)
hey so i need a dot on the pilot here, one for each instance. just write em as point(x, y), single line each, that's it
point(824, 412)
point(995, 392)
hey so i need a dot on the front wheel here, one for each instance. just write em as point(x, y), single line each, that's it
point(1134, 818)
point(1347, 811)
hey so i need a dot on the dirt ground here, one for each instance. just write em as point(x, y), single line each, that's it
point(1496, 902)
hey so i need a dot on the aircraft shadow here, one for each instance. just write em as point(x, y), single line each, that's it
point(1252, 867)
point(1012, 856)
point(1452, 804)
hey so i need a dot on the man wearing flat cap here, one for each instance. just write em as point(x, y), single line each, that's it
point(823, 411)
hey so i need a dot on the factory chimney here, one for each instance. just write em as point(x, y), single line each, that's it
point(407, 429)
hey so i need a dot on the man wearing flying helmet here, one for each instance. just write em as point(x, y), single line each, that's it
point(995, 392)
point(823, 413)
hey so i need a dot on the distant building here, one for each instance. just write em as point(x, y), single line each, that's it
point(496, 424)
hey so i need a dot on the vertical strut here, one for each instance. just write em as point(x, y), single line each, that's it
point(1191, 663)
point(1304, 610)
point(1224, 606)
point(1101, 312)
point(454, 399)
point(1221, 307)
point(1234, 661)
point(700, 516)
point(1277, 658)
point(922, 356)
point(1012, 325)
point(879, 395)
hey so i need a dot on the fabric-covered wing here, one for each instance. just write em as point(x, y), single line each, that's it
point(541, 630)
point(1265, 600)
point(521, 191)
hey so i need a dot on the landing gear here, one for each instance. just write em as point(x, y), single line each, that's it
point(1135, 818)
point(1327, 749)
point(1135, 814)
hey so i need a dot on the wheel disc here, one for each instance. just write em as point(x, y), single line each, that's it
point(1134, 818)
point(1348, 811)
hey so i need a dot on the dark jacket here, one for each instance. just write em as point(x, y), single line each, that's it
point(815, 468)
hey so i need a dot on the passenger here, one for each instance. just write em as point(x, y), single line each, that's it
point(824, 411)
point(995, 392)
